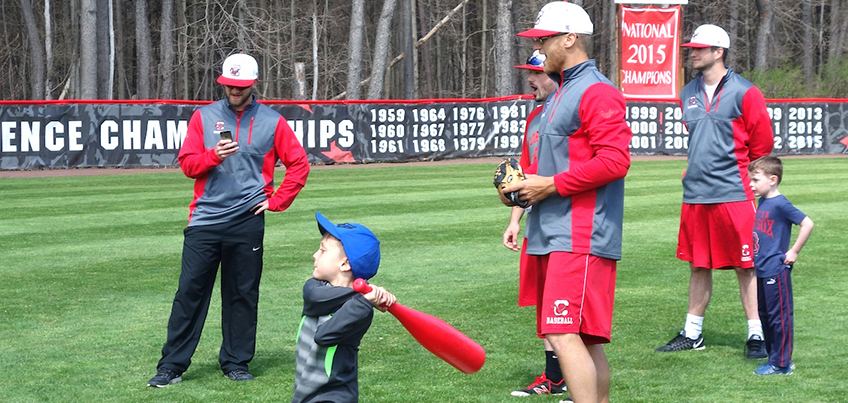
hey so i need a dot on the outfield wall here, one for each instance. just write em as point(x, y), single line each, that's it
point(73, 134)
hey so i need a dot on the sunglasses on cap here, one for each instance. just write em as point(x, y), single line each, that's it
point(536, 59)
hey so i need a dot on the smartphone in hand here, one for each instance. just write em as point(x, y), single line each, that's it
point(227, 135)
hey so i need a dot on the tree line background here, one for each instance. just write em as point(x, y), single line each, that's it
point(357, 49)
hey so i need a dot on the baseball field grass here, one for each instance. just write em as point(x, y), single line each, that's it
point(89, 266)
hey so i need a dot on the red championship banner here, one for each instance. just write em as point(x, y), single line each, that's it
point(650, 52)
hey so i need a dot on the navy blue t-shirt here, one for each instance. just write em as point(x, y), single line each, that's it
point(772, 232)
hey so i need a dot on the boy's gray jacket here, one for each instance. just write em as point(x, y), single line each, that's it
point(334, 321)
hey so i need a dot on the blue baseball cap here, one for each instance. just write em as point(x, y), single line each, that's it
point(360, 245)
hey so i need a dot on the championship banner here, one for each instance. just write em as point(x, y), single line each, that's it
point(799, 127)
point(90, 134)
point(650, 52)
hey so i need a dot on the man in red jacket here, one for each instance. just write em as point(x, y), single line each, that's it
point(230, 150)
point(551, 381)
point(574, 229)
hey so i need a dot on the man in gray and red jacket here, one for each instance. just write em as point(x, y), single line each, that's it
point(230, 150)
point(729, 126)
point(574, 229)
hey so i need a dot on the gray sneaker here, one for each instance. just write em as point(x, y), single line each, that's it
point(681, 342)
point(164, 377)
point(239, 375)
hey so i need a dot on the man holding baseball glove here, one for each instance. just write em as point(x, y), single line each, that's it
point(575, 227)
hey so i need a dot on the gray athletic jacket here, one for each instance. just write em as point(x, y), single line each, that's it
point(229, 188)
point(584, 144)
point(724, 137)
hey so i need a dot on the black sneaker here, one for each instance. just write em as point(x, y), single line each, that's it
point(681, 342)
point(542, 386)
point(756, 347)
point(239, 375)
point(164, 377)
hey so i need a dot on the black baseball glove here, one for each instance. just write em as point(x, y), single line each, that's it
point(509, 173)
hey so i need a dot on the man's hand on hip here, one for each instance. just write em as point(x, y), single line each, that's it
point(259, 208)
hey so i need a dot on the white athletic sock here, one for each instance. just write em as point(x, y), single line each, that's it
point(694, 324)
point(755, 328)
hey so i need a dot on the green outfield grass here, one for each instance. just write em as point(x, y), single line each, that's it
point(89, 267)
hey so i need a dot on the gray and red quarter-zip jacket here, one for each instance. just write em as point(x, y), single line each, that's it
point(584, 144)
point(530, 147)
point(224, 189)
point(724, 137)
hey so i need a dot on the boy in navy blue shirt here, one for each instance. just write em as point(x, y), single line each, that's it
point(773, 260)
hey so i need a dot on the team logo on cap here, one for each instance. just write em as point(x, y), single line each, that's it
point(235, 70)
point(219, 125)
point(539, 16)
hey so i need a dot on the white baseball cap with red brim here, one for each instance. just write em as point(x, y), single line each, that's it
point(707, 36)
point(560, 17)
point(239, 70)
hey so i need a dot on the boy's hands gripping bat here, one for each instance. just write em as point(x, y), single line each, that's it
point(435, 335)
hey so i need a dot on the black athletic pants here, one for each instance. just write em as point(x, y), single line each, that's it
point(237, 246)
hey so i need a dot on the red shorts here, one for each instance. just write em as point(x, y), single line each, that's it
point(717, 236)
point(575, 294)
point(526, 278)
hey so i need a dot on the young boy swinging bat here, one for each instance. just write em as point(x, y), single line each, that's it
point(335, 317)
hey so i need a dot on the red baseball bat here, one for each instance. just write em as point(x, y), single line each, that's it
point(435, 335)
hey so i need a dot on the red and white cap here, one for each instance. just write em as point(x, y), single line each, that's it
point(707, 36)
point(560, 17)
point(239, 70)
point(536, 62)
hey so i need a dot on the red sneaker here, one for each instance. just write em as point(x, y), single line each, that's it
point(542, 386)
